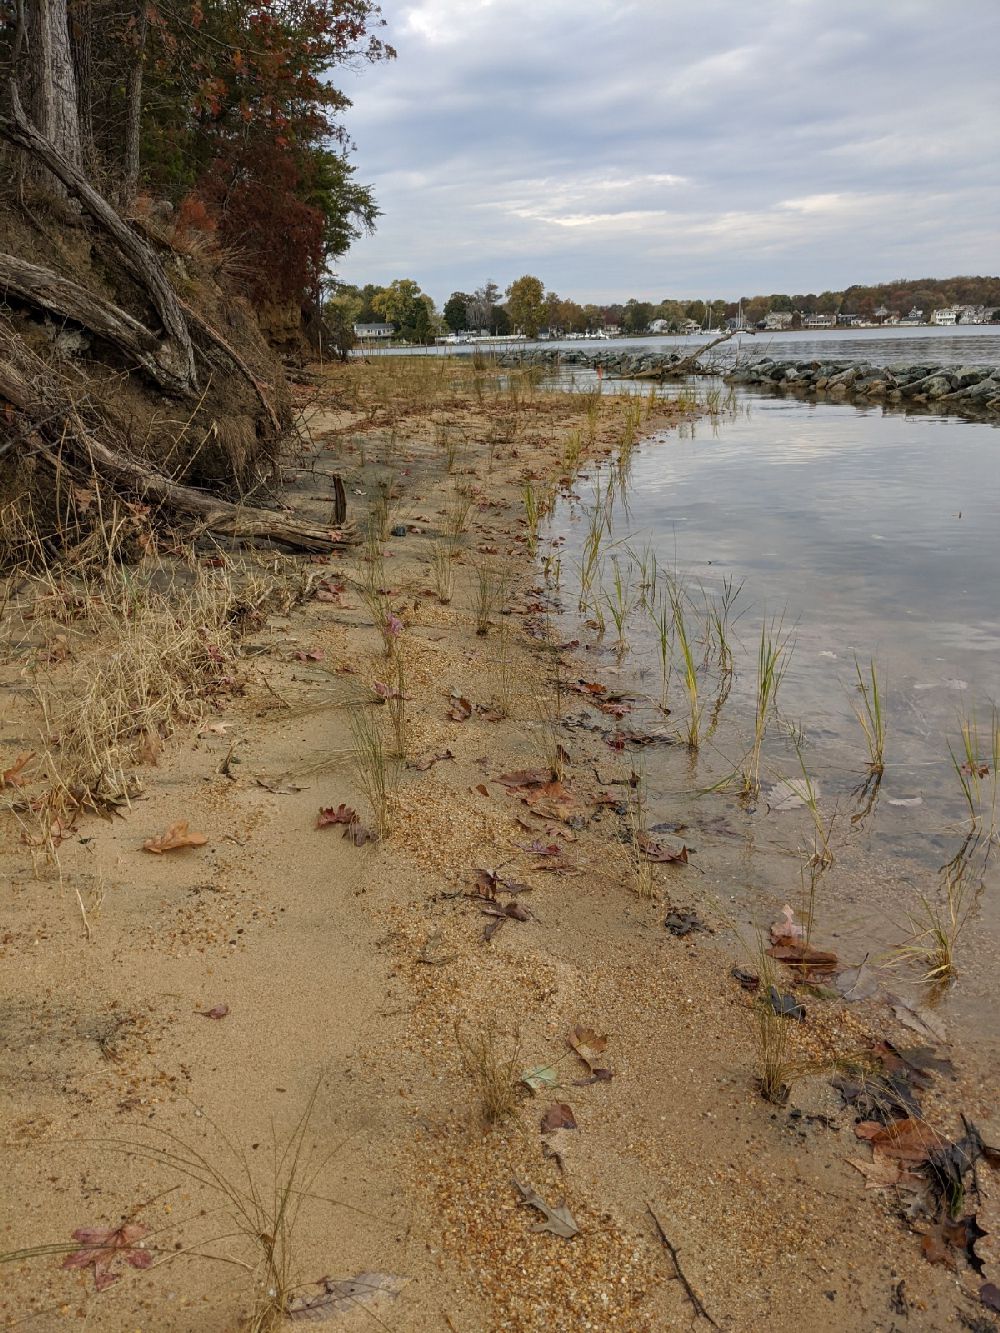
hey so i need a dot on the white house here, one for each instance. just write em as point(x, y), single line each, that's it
point(373, 331)
point(819, 321)
point(776, 320)
point(946, 315)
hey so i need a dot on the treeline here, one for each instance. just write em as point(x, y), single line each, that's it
point(223, 114)
point(525, 306)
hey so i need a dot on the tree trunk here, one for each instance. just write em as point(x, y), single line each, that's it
point(51, 79)
point(176, 352)
point(133, 108)
point(81, 28)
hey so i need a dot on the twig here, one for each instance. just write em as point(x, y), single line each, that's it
point(692, 1295)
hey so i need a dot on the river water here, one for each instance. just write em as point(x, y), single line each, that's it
point(868, 534)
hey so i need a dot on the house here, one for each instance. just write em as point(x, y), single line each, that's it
point(776, 320)
point(946, 315)
point(364, 331)
point(659, 326)
point(819, 321)
point(849, 321)
point(916, 316)
point(690, 326)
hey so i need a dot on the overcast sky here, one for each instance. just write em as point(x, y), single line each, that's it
point(697, 148)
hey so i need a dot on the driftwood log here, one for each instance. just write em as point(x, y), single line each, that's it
point(52, 428)
point(686, 365)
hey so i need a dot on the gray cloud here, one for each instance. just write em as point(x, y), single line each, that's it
point(680, 147)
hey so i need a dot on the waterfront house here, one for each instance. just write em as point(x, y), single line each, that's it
point(819, 321)
point(946, 315)
point(364, 331)
point(776, 320)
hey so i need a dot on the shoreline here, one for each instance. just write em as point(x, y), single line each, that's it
point(367, 967)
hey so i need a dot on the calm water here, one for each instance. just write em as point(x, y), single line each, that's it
point(962, 344)
point(870, 534)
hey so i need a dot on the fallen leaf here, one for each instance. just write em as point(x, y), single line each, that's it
point(989, 1294)
point(909, 1141)
point(540, 1078)
point(918, 1019)
point(342, 1296)
point(460, 710)
point(558, 1116)
point(308, 655)
point(422, 765)
point(553, 800)
point(357, 833)
point(102, 1246)
point(856, 983)
point(177, 835)
point(15, 775)
point(558, 1218)
point(662, 853)
point(786, 927)
point(785, 1006)
point(681, 924)
point(589, 1045)
point(791, 792)
point(340, 814)
point(217, 1011)
point(883, 1173)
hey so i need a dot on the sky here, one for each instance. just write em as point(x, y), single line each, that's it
point(679, 148)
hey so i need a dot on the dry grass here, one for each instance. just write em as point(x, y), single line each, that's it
point(442, 562)
point(489, 594)
point(376, 769)
point(492, 1067)
point(151, 657)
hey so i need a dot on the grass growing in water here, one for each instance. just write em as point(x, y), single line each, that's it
point(871, 715)
point(772, 662)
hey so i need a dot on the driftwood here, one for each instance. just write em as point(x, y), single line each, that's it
point(62, 421)
point(686, 365)
point(176, 353)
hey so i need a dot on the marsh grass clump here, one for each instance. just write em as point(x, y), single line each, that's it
point(637, 825)
point(376, 769)
point(505, 676)
point(936, 927)
point(619, 603)
point(977, 766)
point(663, 628)
point(442, 561)
point(689, 670)
point(772, 662)
point(492, 1066)
point(489, 595)
point(157, 656)
point(871, 714)
point(396, 700)
point(532, 512)
point(457, 515)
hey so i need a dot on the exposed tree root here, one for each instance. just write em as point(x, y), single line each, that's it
point(52, 429)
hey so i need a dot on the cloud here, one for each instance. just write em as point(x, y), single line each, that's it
point(655, 147)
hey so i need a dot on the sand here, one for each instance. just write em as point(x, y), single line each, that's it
point(352, 975)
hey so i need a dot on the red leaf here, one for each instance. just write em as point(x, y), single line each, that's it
point(341, 814)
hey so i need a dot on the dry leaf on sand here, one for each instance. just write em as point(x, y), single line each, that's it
point(177, 835)
point(558, 1219)
point(333, 1297)
point(589, 1046)
point(101, 1246)
point(15, 775)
